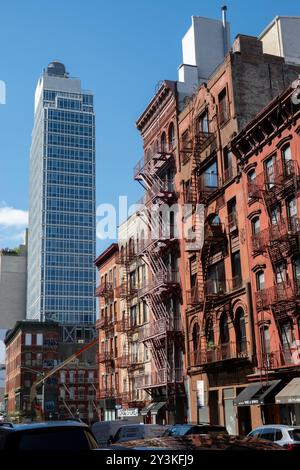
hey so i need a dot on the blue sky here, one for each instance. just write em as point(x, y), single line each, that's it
point(120, 50)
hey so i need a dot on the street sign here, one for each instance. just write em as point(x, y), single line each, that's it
point(125, 413)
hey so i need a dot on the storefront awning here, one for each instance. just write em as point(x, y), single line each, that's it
point(146, 409)
point(290, 393)
point(157, 406)
point(256, 394)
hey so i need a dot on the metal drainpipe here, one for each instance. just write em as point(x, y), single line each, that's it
point(251, 321)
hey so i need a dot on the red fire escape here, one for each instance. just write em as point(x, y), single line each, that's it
point(163, 334)
point(106, 324)
point(280, 241)
point(127, 360)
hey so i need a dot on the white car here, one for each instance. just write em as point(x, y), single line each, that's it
point(283, 435)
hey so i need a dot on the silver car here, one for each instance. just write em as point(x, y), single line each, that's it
point(283, 435)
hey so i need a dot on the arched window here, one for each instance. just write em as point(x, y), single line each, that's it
point(260, 280)
point(163, 142)
point(131, 246)
point(251, 175)
point(255, 224)
point(241, 337)
point(171, 136)
point(210, 336)
point(224, 329)
point(196, 337)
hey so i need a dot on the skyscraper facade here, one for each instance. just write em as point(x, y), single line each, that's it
point(61, 242)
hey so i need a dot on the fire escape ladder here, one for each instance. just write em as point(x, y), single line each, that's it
point(155, 262)
point(156, 306)
point(153, 183)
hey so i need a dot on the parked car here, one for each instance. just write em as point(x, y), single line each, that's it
point(216, 442)
point(202, 428)
point(47, 436)
point(104, 431)
point(132, 432)
point(283, 435)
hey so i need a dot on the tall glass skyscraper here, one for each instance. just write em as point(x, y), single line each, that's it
point(61, 241)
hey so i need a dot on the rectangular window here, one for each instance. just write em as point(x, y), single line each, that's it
point(39, 359)
point(216, 278)
point(209, 179)
point(292, 214)
point(236, 270)
point(260, 280)
point(28, 359)
point(28, 339)
point(115, 277)
point(39, 339)
point(203, 123)
point(270, 172)
point(228, 164)
point(232, 215)
point(223, 107)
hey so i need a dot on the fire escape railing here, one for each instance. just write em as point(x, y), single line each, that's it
point(162, 280)
point(281, 292)
point(160, 328)
point(222, 352)
point(104, 290)
point(160, 377)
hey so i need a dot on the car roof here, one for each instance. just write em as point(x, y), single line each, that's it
point(199, 425)
point(284, 426)
point(42, 425)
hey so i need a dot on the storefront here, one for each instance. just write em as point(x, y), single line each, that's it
point(288, 400)
point(256, 404)
point(154, 413)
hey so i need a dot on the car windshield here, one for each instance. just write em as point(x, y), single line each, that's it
point(56, 439)
point(177, 431)
point(295, 434)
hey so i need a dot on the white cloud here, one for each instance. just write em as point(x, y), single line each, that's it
point(12, 225)
point(11, 217)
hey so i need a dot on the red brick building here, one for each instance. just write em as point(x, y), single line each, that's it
point(109, 314)
point(31, 349)
point(34, 348)
point(268, 152)
point(217, 297)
